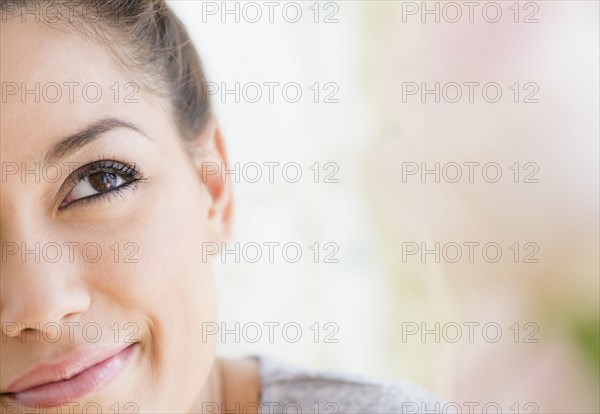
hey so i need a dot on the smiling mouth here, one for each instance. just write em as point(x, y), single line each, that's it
point(90, 379)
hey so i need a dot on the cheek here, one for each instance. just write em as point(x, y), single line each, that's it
point(168, 288)
point(155, 252)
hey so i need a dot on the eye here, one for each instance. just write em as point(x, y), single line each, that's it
point(95, 184)
point(100, 179)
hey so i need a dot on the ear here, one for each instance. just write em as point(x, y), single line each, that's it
point(210, 160)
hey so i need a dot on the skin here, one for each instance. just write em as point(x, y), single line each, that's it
point(162, 300)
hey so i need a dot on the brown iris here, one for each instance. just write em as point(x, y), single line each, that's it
point(103, 181)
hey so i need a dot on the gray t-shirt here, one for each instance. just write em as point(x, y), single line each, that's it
point(289, 389)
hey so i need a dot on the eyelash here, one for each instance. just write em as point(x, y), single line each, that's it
point(130, 173)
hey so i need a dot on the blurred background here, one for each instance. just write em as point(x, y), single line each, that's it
point(362, 68)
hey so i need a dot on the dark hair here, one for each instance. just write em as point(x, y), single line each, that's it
point(145, 36)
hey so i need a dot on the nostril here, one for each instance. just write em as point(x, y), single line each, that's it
point(12, 329)
point(45, 304)
point(71, 318)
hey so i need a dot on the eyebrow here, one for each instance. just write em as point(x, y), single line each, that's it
point(92, 132)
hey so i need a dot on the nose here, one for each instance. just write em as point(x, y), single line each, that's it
point(37, 289)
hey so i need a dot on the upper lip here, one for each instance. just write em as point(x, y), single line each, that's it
point(66, 368)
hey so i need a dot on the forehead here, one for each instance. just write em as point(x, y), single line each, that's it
point(54, 82)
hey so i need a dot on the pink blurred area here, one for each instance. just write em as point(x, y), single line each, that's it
point(560, 213)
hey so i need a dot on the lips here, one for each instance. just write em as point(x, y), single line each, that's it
point(83, 373)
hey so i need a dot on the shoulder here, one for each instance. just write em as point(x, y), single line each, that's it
point(286, 388)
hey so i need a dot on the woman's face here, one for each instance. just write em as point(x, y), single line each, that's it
point(84, 276)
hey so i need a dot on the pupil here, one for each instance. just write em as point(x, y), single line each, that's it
point(103, 181)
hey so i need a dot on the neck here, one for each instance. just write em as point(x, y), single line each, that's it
point(232, 386)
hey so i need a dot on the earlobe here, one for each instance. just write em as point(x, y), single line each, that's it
point(210, 160)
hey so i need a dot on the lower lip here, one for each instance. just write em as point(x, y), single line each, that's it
point(71, 390)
